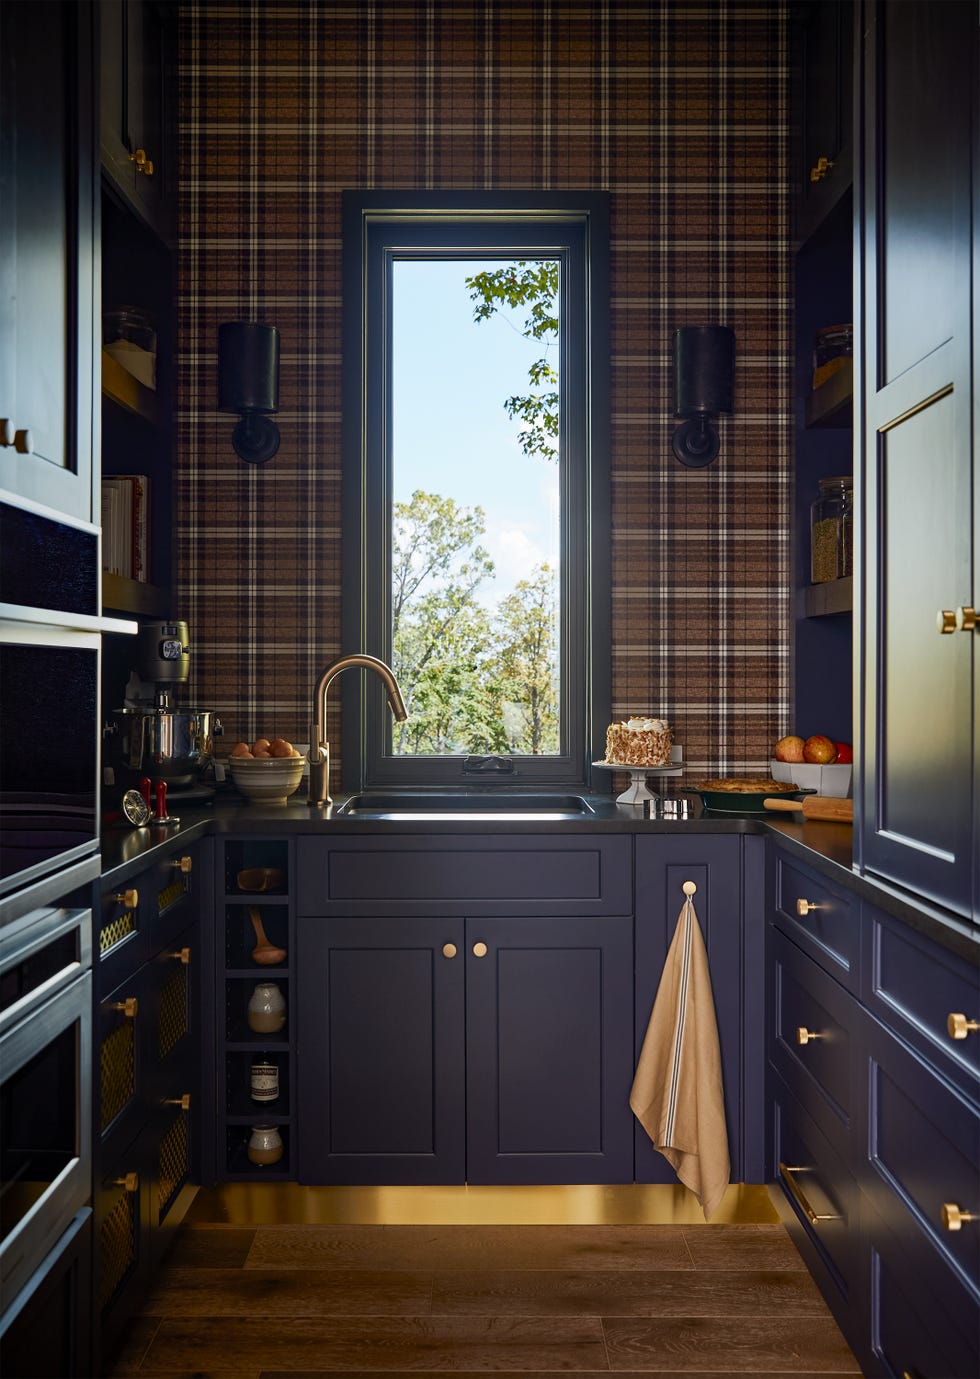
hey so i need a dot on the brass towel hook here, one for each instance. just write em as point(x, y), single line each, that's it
point(689, 888)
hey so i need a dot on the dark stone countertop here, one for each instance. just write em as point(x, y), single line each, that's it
point(825, 847)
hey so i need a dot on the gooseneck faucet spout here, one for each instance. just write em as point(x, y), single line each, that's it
point(319, 753)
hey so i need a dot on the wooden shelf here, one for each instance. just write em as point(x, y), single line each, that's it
point(836, 596)
point(832, 403)
point(130, 596)
point(130, 394)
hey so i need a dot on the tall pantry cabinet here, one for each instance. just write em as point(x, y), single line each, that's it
point(917, 180)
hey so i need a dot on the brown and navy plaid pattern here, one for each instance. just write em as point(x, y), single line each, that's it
point(679, 110)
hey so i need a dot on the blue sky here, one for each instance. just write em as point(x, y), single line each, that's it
point(452, 435)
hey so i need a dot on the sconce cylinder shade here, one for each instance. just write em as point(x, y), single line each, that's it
point(704, 385)
point(704, 370)
point(248, 367)
point(248, 383)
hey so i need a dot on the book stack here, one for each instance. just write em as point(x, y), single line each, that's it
point(125, 526)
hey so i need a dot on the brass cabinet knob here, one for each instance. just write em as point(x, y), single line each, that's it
point(129, 1007)
point(449, 950)
point(183, 864)
point(954, 1216)
point(803, 907)
point(130, 898)
point(6, 432)
point(966, 618)
point(945, 621)
point(181, 955)
point(820, 170)
point(959, 1026)
point(479, 950)
point(24, 442)
point(805, 1036)
point(130, 1181)
point(184, 1102)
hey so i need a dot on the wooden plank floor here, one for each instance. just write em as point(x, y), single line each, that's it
point(295, 1301)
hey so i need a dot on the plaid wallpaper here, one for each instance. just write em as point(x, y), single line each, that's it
point(679, 111)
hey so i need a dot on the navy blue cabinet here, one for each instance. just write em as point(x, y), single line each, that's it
point(447, 1050)
point(728, 873)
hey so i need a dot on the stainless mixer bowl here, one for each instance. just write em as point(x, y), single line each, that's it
point(167, 745)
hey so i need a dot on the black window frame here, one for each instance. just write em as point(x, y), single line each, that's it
point(377, 227)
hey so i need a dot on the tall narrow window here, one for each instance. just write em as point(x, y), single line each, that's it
point(476, 485)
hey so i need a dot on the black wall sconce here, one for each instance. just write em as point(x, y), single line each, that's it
point(704, 386)
point(248, 383)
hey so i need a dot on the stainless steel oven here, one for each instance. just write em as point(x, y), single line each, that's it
point(45, 1069)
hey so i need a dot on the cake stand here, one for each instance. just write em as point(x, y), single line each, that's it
point(637, 791)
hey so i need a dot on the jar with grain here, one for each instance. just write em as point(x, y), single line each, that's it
point(266, 1009)
point(831, 528)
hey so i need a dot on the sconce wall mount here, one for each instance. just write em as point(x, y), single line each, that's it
point(704, 386)
point(248, 383)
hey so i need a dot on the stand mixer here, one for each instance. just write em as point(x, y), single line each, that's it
point(154, 739)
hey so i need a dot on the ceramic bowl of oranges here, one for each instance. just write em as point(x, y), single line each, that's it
point(268, 771)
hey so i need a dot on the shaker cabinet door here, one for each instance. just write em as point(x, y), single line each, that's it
point(919, 696)
point(381, 1051)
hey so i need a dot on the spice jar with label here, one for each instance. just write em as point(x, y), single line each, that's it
point(831, 528)
point(264, 1145)
point(266, 1009)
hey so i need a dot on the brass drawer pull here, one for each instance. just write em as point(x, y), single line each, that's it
point(130, 1181)
point(182, 955)
point(966, 618)
point(954, 1216)
point(795, 1191)
point(803, 907)
point(479, 950)
point(945, 621)
point(806, 1036)
point(129, 1007)
point(959, 1026)
point(143, 164)
point(184, 1102)
point(183, 864)
point(130, 898)
point(819, 172)
point(449, 950)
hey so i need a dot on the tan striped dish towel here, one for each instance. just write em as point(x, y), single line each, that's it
point(677, 1093)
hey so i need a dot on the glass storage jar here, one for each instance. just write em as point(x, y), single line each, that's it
point(831, 527)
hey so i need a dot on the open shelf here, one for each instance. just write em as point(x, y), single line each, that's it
point(835, 596)
point(129, 393)
point(832, 403)
point(131, 596)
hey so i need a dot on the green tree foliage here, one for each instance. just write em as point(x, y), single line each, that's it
point(530, 287)
point(473, 680)
point(525, 651)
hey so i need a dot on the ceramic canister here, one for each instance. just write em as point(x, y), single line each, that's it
point(264, 1145)
point(266, 1009)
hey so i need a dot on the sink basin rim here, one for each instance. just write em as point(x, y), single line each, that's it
point(462, 804)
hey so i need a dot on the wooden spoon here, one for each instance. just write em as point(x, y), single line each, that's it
point(264, 952)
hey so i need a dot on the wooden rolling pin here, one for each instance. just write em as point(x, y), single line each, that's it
point(816, 807)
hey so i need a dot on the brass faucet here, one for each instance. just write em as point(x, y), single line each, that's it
point(319, 753)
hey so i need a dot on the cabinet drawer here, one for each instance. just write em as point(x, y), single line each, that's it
point(822, 919)
point(504, 874)
point(821, 1196)
point(813, 1033)
point(921, 1322)
point(915, 986)
point(923, 1151)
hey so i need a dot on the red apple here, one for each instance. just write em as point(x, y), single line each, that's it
point(845, 753)
point(789, 749)
point(819, 750)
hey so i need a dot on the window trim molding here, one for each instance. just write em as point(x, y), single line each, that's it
point(371, 222)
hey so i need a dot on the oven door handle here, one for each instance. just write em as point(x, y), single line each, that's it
point(30, 939)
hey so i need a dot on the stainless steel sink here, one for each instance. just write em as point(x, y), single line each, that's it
point(421, 806)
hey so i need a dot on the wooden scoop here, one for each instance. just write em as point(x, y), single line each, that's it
point(264, 952)
point(816, 807)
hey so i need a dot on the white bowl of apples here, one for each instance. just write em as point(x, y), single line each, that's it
point(267, 772)
point(814, 763)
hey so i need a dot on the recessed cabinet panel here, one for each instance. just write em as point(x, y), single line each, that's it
point(924, 175)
